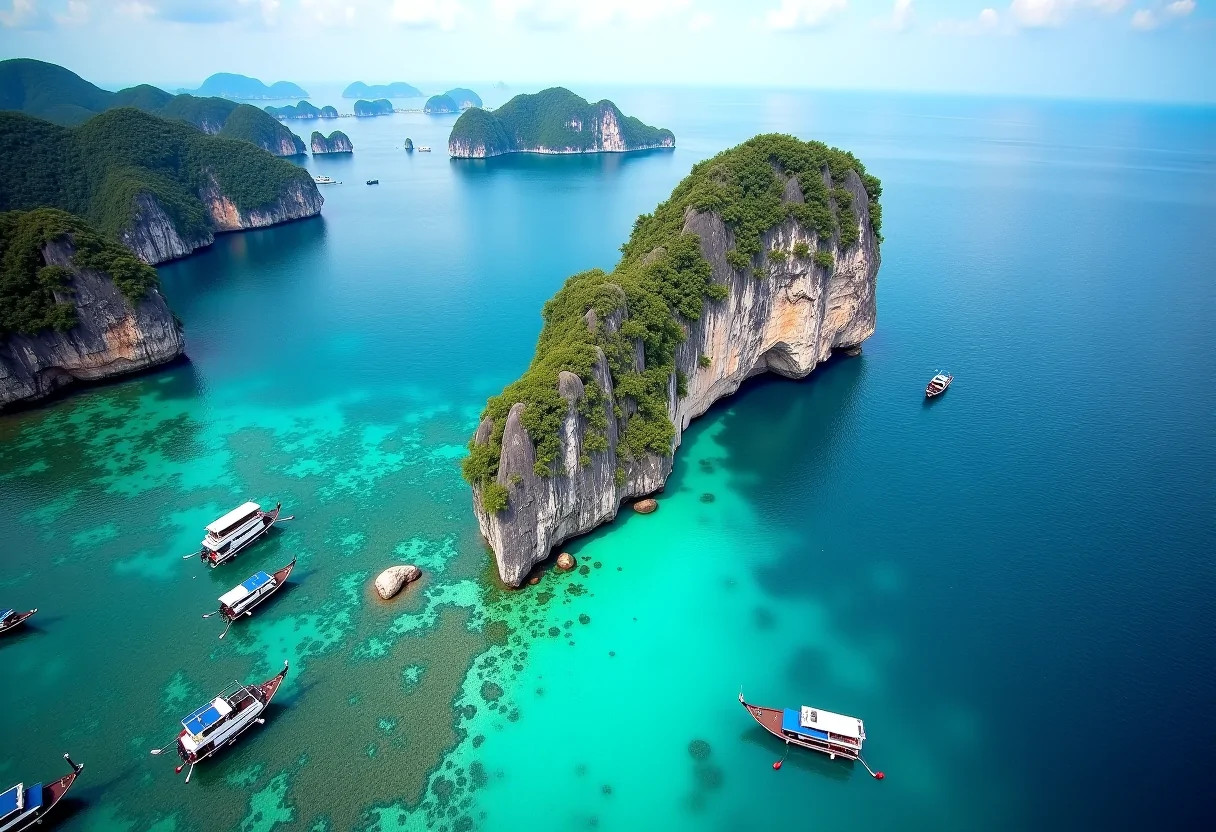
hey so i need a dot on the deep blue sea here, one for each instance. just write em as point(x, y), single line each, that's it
point(1013, 585)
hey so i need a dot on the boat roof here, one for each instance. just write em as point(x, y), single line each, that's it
point(3, 615)
point(20, 799)
point(238, 513)
point(250, 585)
point(206, 716)
point(845, 726)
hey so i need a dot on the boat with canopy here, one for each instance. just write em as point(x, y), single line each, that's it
point(236, 530)
point(11, 619)
point(836, 735)
point(937, 385)
point(242, 598)
point(218, 723)
point(22, 806)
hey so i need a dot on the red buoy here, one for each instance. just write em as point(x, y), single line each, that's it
point(777, 766)
point(177, 770)
point(878, 775)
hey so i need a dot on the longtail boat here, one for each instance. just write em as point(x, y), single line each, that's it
point(22, 806)
point(236, 530)
point(833, 734)
point(11, 620)
point(217, 724)
point(241, 599)
point(937, 385)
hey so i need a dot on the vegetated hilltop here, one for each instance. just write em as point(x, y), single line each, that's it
point(50, 92)
point(302, 110)
point(162, 187)
point(552, 121)
point(464, 98)
point(74, 306)
point(338, 142)
point(764, 258)
point(379, 107)
point(397, 89)
point(244, 88)
point(440, 104)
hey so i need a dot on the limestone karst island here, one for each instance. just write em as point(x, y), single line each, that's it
point(606, 415)
point(552, 121)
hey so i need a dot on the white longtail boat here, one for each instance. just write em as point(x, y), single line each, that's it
point(831, 733)
point(217, 724)
point(242, 598)
point(24, 807)
point(236, 530)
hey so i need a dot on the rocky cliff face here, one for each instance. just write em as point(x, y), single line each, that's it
point(111, 337)
point(154, 237)
point(338, 142)
point(786, 322)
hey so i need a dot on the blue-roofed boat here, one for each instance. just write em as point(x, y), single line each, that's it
point(11, 619)
point(241, 599)
point(22, 806)
point(831, 733)
point(239, 528)
point(218, 723)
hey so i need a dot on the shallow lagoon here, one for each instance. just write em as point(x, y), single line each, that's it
point(1002, 583)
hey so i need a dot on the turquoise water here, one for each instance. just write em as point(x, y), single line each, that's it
point(1012, 584)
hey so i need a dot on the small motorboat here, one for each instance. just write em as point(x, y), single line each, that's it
point(23, 807)
point(424, 149)
point(236, 530)
point(937, 385)
point(217, 724)
point(11, 620)
point(373, 181)
point(325, 180)
point(241, 599)
point(830, 733)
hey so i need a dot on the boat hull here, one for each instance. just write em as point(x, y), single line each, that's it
point(280, 578)
point(770, 720)
point(16, 620)
point(54, 793)
point(263, 693)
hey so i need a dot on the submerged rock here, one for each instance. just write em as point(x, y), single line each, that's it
point(391, 580)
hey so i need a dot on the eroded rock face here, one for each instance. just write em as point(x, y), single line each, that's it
point(154, 238)
point(111, 337)
point(391, 580)
point(786, 323)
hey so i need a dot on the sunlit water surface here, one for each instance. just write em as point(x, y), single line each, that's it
point(1012, 585)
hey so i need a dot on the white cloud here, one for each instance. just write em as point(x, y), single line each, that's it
point(135, 9)
point(325, 12)
point(900, 19)
point(804, 14)
point(700, 21)
point(76, 13)
point(1038, 14)
point(1108, 6)
point(565, 14)
point(986, 22)
point(427, 14)
point(22, 13)
point(1144, 20)
point(1180, 8)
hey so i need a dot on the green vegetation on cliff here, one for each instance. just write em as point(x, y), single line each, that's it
point(97, 170)
point(244, 88)
point(379, 107)
point(556, 119)
point(28, 285)
point(438, 104)
point(464, 97)
point(50, 92)
point(302, 110)
point(661, 281)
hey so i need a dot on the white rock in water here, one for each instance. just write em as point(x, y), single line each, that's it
point(390, 581)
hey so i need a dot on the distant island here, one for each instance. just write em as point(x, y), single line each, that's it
point(438, 104)
point(501, 86)
point(397, 89)
point(162, 187)
point(464, 98)
point(379, 107)
point(552, 121)
point(244, 88)
point(74, 306)
point(58, 95)
point(409, 143)
point(302, 110)
point(336, 143)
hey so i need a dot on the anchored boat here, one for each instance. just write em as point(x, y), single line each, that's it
point(10, 620)
point(830, 733)
point(241, 599)
point(937, 385)
point(21, 807)
point(325, 180)
point(237, 529)
point(217, 724)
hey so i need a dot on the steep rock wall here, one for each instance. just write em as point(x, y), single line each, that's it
point(786, 322)
point(111, 337)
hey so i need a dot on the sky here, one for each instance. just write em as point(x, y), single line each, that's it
point(1161, 50)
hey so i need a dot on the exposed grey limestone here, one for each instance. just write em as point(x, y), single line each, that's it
point(391, 580)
